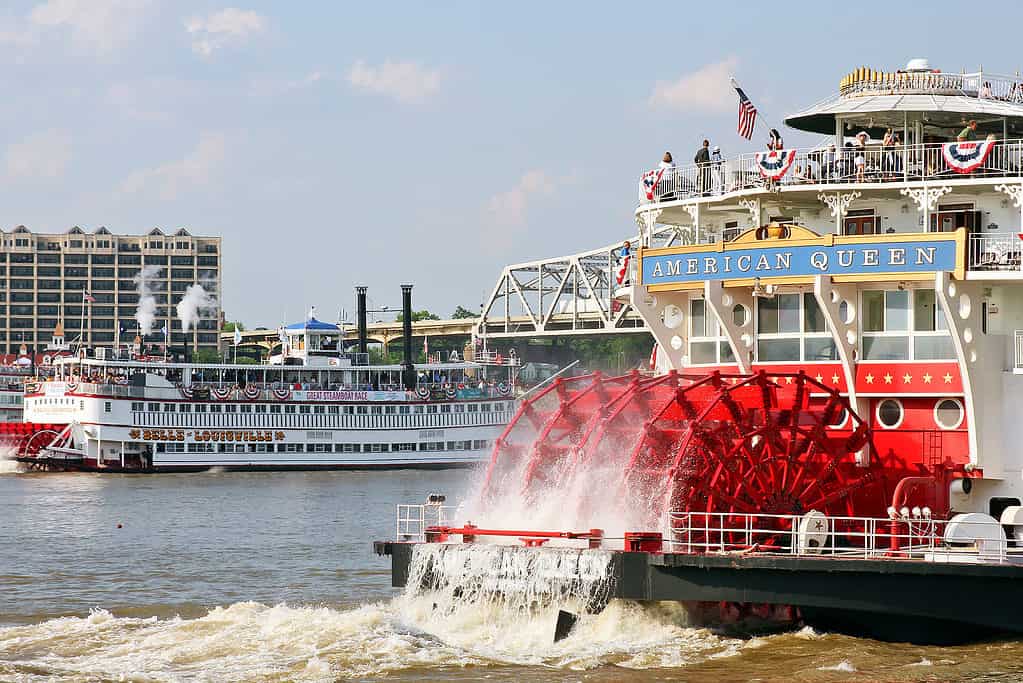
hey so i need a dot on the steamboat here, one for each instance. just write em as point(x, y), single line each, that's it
point(830, 432)
point(311, 406)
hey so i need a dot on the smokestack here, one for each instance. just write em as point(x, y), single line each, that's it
point(409, 370)
point(360, 303)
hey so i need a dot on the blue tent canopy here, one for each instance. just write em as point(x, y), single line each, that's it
point(313, 324)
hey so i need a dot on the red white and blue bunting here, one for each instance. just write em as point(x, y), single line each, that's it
point(966, 157)
point(251, 392)
point(221, 392)
point(186, 392)
point(282, 393)
point(776, 163)
point(650, 180)
point(503, 389)
point(72, 387)
point(423, 392)
point(449, 390)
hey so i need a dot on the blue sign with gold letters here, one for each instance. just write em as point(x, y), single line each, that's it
point(781, 260)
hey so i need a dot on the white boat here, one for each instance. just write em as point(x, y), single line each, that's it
point(312, 406)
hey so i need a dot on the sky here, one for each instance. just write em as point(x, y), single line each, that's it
point(333, 144)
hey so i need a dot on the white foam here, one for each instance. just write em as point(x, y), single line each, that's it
point(249, 641)
point(845, 665)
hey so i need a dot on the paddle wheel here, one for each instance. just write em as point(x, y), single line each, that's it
point(26, 439)
point(768, 444)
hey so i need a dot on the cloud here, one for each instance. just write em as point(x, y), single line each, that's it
point(40, 156)
point(226, 27)
point(705, 90)
point(270, 86)
point(510, 208)
point(404, 81)
point(97, 25)
point(169, 180)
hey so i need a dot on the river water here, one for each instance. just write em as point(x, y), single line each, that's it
point(271, 577)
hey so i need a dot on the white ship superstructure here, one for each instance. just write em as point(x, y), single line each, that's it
point(312, 406)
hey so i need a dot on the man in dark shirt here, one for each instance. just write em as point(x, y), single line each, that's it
point(703, 166)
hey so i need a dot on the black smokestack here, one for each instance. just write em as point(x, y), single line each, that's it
point(406, 337)
point(360, 304)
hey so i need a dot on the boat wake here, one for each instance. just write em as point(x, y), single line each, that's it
point(250, 641)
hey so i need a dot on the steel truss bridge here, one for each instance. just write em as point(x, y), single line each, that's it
point(568, 295)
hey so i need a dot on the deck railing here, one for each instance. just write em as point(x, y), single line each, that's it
point(906, 535)
point(1017, 366)
point(821, 166)
point(995, 252)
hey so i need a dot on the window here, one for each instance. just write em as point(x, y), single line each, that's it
point(106, 406)
point(904, 325)
point(790, 328)
point(403, 447)
point(949, 413)
point(889, 413)
point(169, 407)
point(136, 406)
point(303, 409)
point(707, 345)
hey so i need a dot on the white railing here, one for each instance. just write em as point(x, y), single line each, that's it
point(413, 519)
point(995, 252)
point(813, 534)
point(830, 167)
point(1018, 354)
point(979, 84)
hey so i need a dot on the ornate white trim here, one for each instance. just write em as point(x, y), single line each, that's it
point(1014, 191)
point(693, 210)
point(646, 222)
point(926, 198)
point(838, 202)
point(753, 206)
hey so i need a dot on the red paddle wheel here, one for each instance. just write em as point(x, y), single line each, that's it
point(27, 439)
point(758, 444)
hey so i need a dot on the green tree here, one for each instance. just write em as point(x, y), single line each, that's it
point(206, 356)
point(230, 326)
point(420, 315)
point(461, 313)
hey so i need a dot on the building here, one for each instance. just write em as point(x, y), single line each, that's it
point(46, 278)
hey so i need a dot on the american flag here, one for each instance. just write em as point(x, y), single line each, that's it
point(88, 298)
point(747, 113)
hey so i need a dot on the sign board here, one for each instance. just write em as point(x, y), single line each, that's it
point(858, 257)
point(349, 396)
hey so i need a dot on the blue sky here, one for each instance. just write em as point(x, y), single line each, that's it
point(334, 144)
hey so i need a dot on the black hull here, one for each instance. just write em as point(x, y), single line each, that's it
point(886, 599)
point(58, 465)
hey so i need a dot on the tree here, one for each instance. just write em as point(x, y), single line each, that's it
point(206, 356)
point(419, 315)
point(230, 326)
point(461, 313)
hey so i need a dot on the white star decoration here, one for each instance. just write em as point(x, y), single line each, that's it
point(947, 378)
point(869, 378)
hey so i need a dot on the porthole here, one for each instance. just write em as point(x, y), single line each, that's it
point(671, 316)
point(889, 413)
point(949, 413)
point(740, 315)
point(840, 419)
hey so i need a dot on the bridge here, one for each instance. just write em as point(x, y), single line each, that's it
point(552, 297)
point(568, 295)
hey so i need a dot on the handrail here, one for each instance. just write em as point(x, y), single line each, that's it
point(824, 166)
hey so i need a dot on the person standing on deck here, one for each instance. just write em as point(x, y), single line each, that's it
point(719, 168)
point(702, 160)
point(968, 133)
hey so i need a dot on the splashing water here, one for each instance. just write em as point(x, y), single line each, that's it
point(248, 641)
point(511, 576)
point(8, 465)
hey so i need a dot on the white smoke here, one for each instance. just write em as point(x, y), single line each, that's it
point(145, 314)
point(196, 299)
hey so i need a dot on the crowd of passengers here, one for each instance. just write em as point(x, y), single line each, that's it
point(860, 159)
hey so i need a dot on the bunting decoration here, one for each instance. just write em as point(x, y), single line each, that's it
point(282, 393)
point(966, 157)
point(72, 387)
point(449, 391)
point(251, 392)
point(621, 275)
point(650, 180)
point(653, 357)
point(423, 392)
point(221, 392)
point(775, 163)
point(503, 389)
point(186, 392)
